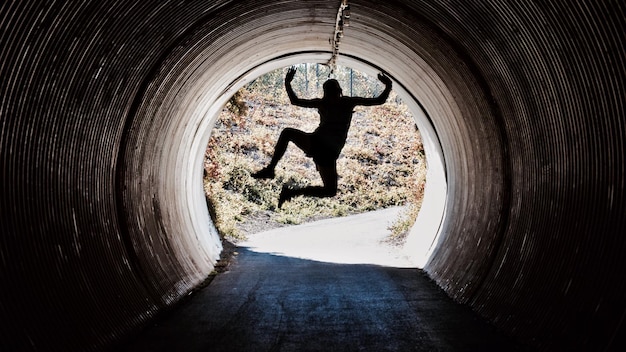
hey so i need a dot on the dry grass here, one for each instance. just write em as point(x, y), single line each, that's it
point(381, 165)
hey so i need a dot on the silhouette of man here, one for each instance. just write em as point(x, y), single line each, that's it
point(325, 143)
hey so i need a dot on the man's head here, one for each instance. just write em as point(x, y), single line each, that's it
point(332, 88)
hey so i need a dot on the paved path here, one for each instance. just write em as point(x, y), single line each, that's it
point(357, 239)
point(308, 288)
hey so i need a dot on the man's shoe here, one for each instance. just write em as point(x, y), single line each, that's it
point(264, 173)
point(285, 195)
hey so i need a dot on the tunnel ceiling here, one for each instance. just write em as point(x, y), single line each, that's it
point(106, 107)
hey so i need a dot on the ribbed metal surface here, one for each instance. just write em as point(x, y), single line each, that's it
point(100, 122)
point(70, 72)
point(553, 279)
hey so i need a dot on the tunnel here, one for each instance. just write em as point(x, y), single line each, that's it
point(106, 109)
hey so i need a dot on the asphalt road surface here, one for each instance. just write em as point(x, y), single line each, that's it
point(324, 286)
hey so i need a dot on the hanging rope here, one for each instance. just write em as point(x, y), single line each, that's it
point(343, 19)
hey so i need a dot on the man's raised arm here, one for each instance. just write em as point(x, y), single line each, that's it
point(382, 98)
point(293, 98)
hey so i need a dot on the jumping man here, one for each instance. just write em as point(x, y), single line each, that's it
point(325, 143)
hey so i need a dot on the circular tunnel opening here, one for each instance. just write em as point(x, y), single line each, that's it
point(244, 191)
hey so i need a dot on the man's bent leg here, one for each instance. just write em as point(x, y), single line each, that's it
point(299, 138)
point(329, 178)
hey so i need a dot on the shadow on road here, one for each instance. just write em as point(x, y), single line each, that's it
point(267, 302)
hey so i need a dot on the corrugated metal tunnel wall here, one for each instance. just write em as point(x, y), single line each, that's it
point(105, 108)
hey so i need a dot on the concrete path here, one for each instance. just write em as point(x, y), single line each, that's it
point(309, 288)
point(357, 239)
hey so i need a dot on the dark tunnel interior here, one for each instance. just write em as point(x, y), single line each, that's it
point(106, 108)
